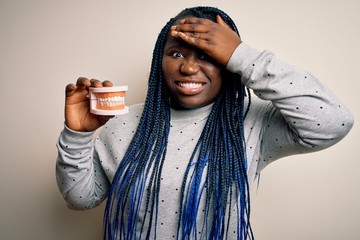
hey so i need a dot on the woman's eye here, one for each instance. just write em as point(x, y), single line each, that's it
point(203, 57)
point(177, 55)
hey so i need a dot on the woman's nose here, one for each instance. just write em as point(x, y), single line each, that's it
point(190, 66)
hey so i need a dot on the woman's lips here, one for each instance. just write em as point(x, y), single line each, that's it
point(189, 88)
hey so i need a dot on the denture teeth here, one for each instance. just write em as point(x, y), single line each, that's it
point(111, 101)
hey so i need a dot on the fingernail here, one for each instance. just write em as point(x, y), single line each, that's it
point(173, 27)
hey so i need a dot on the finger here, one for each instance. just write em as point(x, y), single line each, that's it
point(195, 20)
point(193, 25)
point(82, 83)
point(190, 28)
point(197, 42)
point(95, 83)
point(175, 33)
point(195, 35)
point(70, 89)
point(107, 83)
point(220, 21)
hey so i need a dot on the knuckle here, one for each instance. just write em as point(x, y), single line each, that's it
point(197, 41)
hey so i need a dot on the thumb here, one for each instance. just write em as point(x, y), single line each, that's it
point(220, 21)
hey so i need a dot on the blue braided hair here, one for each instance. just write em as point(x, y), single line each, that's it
point(219, 154)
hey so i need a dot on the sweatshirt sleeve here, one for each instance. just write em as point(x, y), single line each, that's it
point(301, 114)
point(79, 176)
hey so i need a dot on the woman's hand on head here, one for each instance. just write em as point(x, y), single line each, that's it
point(77, 106)
point(216, 39)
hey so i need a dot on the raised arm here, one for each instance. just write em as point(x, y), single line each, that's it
point(300, 114)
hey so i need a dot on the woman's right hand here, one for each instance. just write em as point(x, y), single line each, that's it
point(77, 106)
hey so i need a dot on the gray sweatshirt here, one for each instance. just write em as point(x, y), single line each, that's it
point(291, 113)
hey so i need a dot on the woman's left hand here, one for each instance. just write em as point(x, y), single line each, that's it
point(216, 39)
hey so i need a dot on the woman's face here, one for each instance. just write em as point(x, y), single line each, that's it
point(192, 78)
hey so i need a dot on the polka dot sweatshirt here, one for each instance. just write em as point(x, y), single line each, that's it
point(291, 113)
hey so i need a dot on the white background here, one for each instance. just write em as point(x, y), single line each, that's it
point(45, 45)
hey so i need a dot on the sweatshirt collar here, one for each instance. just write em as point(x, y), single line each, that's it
point(192, 114)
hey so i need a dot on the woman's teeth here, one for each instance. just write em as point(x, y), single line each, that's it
point(190, 85)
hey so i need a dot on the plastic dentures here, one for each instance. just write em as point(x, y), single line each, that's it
point(108, 100)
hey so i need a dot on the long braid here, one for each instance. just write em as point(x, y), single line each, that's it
point(221, 156)
point(222, 148)
point(142, 162)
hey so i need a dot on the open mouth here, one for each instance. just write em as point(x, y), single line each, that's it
point(189, 88)
point(190, 85)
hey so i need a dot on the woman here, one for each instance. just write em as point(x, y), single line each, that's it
point(181, 164)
